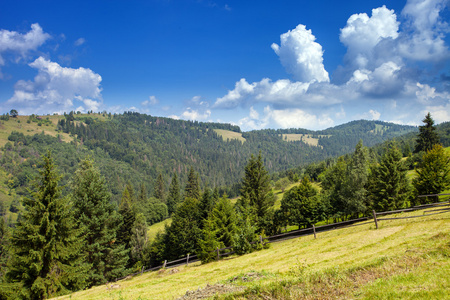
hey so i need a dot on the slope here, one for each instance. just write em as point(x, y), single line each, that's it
point(403, 258)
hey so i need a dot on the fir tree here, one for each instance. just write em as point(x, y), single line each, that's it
point(160, 188)
point(126, 211)
point(299, 204)
point(256, 187)
point(46, 249)
point(138, 239)
point(99, 221)
point(184, 232)
point(388, 185)
point(224, 220)
point(356, 180)
point(433, 174)
point(427, 137)
point(192, 189)
point(209, 242)
point(206, 203)
point(173, 198)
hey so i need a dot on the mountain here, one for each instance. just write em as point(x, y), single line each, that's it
point(135, 148)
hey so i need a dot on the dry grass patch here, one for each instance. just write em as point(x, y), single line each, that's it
point(230, 135)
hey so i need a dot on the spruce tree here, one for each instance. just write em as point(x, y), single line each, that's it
point(160, 188)
point(46, 249)
point(126, 211)
point(224, 220)
point(299, 204)
point(256, 187)
point(97, 218)
point(173, 198)
point(433, 174)
point(138, 240)
point(388, 185)
point(206, 203)
point(208, 243)
point(192, 189)
point(427, 136)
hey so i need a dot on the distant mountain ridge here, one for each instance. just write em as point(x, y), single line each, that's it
point(133, 147)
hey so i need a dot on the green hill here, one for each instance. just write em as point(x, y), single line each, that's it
point(407, 258)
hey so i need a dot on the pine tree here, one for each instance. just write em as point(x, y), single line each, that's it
point(126, 211)
point(208, 243)
point(427, 137)
point(99, 221)
point(299, 204)
point(206, 203)
point(388, 185)
point(160, 188)
point(356, 181)
point(46, 249)
point(192, 189)
point(173, 198)
point(139, 239)
point(184, 232)
point(256, 187)
point(433, 174)
point(224, 220)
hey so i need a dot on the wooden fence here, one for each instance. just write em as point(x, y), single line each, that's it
point(435, 208)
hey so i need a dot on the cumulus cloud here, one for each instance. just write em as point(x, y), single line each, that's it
point(426, 40)
point(18, 45)
point(362, 33)
point(57, 89)
point(301, 55)
point(384, 66)
point(192, 114)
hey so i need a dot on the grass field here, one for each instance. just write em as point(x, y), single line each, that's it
point(403, 259)
point(230, 135)
point(306, 138)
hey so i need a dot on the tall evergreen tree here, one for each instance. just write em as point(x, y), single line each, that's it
point(356, 181)
point(97, 218)
point(206, 203)
point(138, 240)
point(192, 189)
point(125, 229)
point(160, 188)
point(46, 249)
point(433, 174)
point(427, 136)
point(224, 221)
point(299, 204)
point(173, 198)
point(256, 187)
point(388, 186)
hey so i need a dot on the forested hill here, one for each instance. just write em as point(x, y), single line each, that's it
point(136, 148)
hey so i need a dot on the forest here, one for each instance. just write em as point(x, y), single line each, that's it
point(85, 206)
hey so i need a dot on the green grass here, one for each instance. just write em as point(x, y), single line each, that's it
point(408, 258)
point(230, 135)
point(157, 227)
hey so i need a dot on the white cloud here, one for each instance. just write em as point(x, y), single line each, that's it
point(56, 88)
point(22, 43)
point(152, 100)
point(426, 41)
point(192, 114)
point(301, 55)
point(370, 115)
point(297, 118)
point(362, 33)
point(80, 42)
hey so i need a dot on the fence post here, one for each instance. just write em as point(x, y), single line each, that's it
point(218, 255)
point(164, 265)
point(375, 218)
point(187, 261)
point(261, 240)
point(142, 271)
point(314, 230)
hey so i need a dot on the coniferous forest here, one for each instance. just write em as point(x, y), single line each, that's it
point(83, 207)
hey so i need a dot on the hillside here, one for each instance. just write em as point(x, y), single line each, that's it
point(407, 258)
point(135, 148)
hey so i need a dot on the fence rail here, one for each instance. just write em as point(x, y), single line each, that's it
point(442, 207)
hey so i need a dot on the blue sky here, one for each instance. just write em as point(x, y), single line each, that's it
point(257, 64)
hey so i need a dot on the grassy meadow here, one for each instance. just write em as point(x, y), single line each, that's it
point(403, 259)
point(230, 135)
